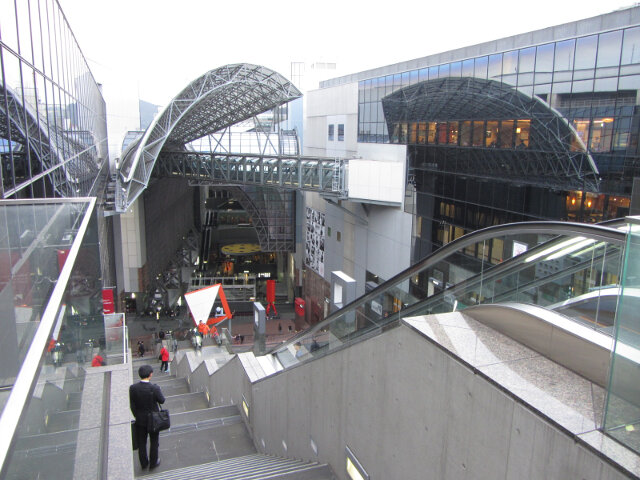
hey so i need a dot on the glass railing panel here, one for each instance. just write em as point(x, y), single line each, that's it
point(42, 365)
point(35, 240)
point(47, 436)
point(535, 264)
point(622, 411)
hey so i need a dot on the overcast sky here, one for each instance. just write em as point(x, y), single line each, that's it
point(151, 49)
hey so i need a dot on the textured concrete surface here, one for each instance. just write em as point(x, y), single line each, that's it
point(441, 394)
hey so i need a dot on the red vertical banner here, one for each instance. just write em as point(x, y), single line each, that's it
point(271, 297)
point(108, 305)
point(271, 291)
point(62, 257)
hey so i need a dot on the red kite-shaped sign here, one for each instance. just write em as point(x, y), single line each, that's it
point(201, 301)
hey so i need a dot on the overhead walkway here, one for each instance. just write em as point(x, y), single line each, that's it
point(212, 103)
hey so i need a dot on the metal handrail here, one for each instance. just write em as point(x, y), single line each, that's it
point(595, 232)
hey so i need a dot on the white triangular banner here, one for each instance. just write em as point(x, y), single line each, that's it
point(201, 301)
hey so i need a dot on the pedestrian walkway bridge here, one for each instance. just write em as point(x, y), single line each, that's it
point(212, 103)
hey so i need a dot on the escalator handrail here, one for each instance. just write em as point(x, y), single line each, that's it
point(592, 231)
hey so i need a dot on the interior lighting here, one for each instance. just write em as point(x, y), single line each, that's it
point(573, 201)
point(555, 248)
point(571, 249)
point(518, 130)
point(245, 406)
point(355, 469)
point(589, 203)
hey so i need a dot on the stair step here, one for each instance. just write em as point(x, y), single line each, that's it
point(201, 425)
point(191, 445)
point(74, 400)
point(256, 466)
point(65, 420)
point(186, 402)
point(205, 414)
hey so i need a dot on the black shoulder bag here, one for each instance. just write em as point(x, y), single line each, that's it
point(158, 421)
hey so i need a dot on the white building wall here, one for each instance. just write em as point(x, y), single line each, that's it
point(372, 237)
point(133, 247)
point(335, 106)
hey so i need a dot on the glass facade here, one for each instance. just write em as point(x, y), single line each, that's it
point(590, 83)
point(53, 136)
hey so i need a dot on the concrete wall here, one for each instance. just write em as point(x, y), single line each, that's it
point(331, 106)
point(405, 406)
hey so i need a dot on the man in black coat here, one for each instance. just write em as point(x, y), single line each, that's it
point(144, 397)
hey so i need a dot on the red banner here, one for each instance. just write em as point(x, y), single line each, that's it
point(108, 305)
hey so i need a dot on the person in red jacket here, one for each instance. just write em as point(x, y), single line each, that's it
point(164, 358)
point(97, 361)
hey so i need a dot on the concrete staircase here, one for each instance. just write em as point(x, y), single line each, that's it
point(256, 466)
point(213, 442)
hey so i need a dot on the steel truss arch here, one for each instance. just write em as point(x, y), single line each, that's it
point(556, 156)
point(218, 99)
point(272, 212)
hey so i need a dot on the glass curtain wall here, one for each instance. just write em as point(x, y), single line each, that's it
point(592, 81)
point(53, 137)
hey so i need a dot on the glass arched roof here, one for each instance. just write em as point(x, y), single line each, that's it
point(216, 100)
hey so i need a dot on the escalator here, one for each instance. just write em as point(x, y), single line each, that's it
point(555, 265)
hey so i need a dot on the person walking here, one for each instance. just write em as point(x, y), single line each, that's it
point(164, 358)
point(144, 398)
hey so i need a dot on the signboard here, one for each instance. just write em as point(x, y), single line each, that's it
point(314, 241)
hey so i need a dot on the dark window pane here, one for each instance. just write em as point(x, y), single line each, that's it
point(586, 52)
point(506, 134)
point(478, 134)
point(465, 134)
point(431, 132)
point(422, 132)
point(564, 55)
point(631, 46)
point(522, 133)
point(442, 133)
point(492, 134)
point(453, 133)
point(527, 60)
point(331, 132)
point(413, 133)
point(609, 46)
point(341, 132)
point(544, 58)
